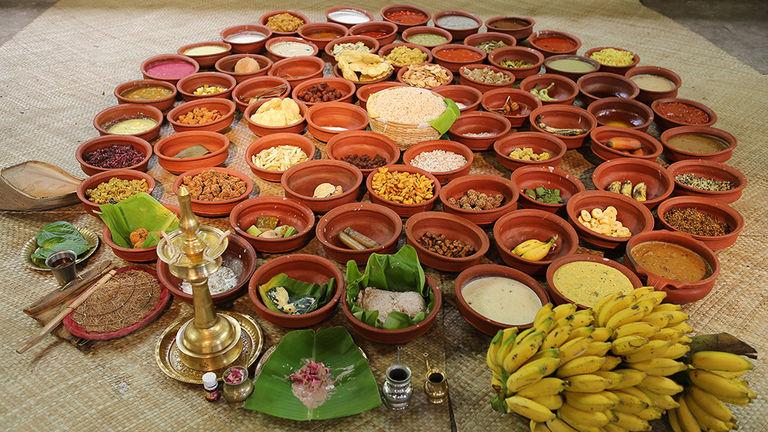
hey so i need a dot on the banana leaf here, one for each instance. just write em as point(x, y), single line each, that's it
point(58, 236)
point(138, 211)
point(398, 272)
point(355, 392)
point(297, 292)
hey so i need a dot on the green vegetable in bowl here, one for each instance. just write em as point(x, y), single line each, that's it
point(294, 297)
point(544, 195)
point(58, 236)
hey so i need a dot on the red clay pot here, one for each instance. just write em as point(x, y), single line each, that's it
point(647, 96)
point(603, 108)
point(600, 85)
point(345, 87)
point(454, 228)
point(307, 30)
point(246, 48)
point(338, 74)
point(386, 49)
point(263, 130)
point(453, 65)
point(478, 38)
point(237, 249)
point(478, 122)
point(455, 33)
point(489, 184)
point(363, 143)
point(108, 141)
point(467, 96)
point(206, 61)
point(483, 87)
point(538, 141)
point(163, 104)
point(297, 70)
point(657, 180)
point(403, 70)
point(371, 43)
point(678, 292)
point(288, 212)
point(711, 206)
point(564, 116)
point(330, 19)
point(574, 76)
point(274, 140)
point(564, 91)
point(265, 17)
point(708, 169)
point(531, 177)
point(137, 255)
point(225, 106)
point(97, 179)
point(321, 116)
point(300, 181)
point(128, 111)
point(495, 99)
point(363, 92)
point(600, 135)
point(277, 57)
point(377, 26)
point(401, 27)
point(478, 321)
point(620, 70)
point(535, 58)
point(665, 122)
point(559, 298)
point(445, 145)
point(167, 147)
point(375, 221)
point(520, 34)
point(518, 226)
point(404, 210)
point(632, 214)
point(226, 65)
point(189, 83)
point(675, 155)
point(542, 34)
point(146, 64)
point(251, 85)
point(215, 208)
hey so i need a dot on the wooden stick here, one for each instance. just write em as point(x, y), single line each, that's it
point(52, 324)
point(61, 295)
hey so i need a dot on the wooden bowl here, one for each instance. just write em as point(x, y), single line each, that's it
point(258, 84)
point(128, 111)
point(137, 255)
point(288, 212)
point(308, 30)
point(488, 184)
point(371, 43)
point(263, 130)
point(620, 70)
point(215, 208)
point(648, 96)
point(167, 147)
point(453, 228)
point(478, 38)
point(447, 146)
point(533, 176)
point(574, 76)
point(189, 83)
point(225, 106)
point(248, 47)
point(401, 26)
point(208, 60)
point(363, 143)
point(675, 154)
point(559, 298)
point(107, 141)
point(147, 73)
point(713, 207)
point(389, 29)
point(346, 88)
point(564, 116)
point(538, 141)
point(467, 98)
point(607, 109)
point(329, 17)
point(479, 122)
point(300, 181)
point(658, 181)
point(226, 65)
point(163, 104)
point(296, 70)
point(600, 135)
point(521, 33)
point(493, 100)
point(364, 91)
point(375, 221)
point(386, 49)
point(535, 40)
point(265, 17)
point(484, 87)
point(323, 116)
point(600, 85)
point(708, 169)
point(440, 54)
point(632, 214)
point(275, 57)
point(535, 58)
point(274, 140)
point(563, 92)
point(404, 210)
point(97, 179)
point(520, 225)
point(458, 34)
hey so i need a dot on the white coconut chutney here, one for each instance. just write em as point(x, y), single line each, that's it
point(501, 299)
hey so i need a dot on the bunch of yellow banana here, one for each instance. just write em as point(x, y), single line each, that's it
point(534, 249)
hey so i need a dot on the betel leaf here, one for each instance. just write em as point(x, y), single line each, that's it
point(58, 236)
point(138, 211)
point(297, 290)
point(355, 392)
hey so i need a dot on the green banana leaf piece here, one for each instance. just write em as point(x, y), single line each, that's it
point(444, 122)
point(398, 272)
point(58, 236)
point(355, 392)
point(297, 290)
point(138, 211)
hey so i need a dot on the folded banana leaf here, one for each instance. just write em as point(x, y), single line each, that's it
point(304, 297)
point(138, 211)
point(355, 389)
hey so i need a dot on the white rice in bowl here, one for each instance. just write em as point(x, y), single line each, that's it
point(406, 105)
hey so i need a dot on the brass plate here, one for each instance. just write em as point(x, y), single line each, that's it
point(31, 245)
point(167, 355)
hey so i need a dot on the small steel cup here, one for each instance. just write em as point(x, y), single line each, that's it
point(64, 273)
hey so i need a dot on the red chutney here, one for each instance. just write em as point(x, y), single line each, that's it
point(555, 44)
point(683, 113)
point(459, 55)
point(374, 34)
point(323, 35)
point(407, 16)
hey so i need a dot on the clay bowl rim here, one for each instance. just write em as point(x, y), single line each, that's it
point(446, 145)
point(288, 60)
point(170, 138)
point(656, 70)
point(561, 146)
point(368, 41)
point(404, 168)
point(248, 184)
point(678, 167)
point(465, 88)
point(699, 201)
point(351, 89)
point(354, 206)
point(635, 57)
point(228, 78)
point(190, 105)
point(505, 72)
point(102, 177)
point(388, 24)
point(543, 214)
point(258, 57)
point(510, 90)
point(657, 145)
point(499, 52)
point(581, 58)
point(350, 108)
point(131, 140)
point(598, 74)
point(135, 84)
point(261, 28)
point(571, 109)
point(157, 116)
point(712, 115)
point(506, 207)
point(265, 16)
point(629, 164)
point(332, 164)
point(252, 108)
point(572, 179)
point(573, 216)
point(402, 6)
point(250, 152)
point(485, 242)
point(486, 114)
point(504, 37)
point(574, 89)
point(274, 40)
point(301, 31)
point(250, 202)
point(705, 130)
point(457, 12)
point(384, 50)
point(553, 33)
point(613, 101)
point(166, 57)
point(355, 8)
point(385, 141)
point(489, 22)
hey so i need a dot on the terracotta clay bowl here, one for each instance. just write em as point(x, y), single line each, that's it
point(608, 111)
point(108, 141)
point(308, 32)
point(238, 250)
point(674, 154)
point(464, 79)
point(275, 57)
point(658, 181)
point(322, 118)
point(147, 73)
point(260, 84)
point(248, 47)
point(388, 29)
point(263, 130)
point(481, 323)
point(365, 91)
point(711, 170)
point(574, 76)
point(116, 113)
point(225, 106)
point(371, 43)
point(444, 145)
point(564, 90)
point(539, 142)
point(167, 147)
point(274, 140)
point(678, 292)
point(361, 143)
point(458, 34)
point(401, 75)
point(718, 209)
point(600, 85)
point(226, 65)
point(665, 121)
point(190, 83)
point(518, 226)
point(404, 210)
point(495, 99)
point(441, 57)
point(488, 184)
point(136, 255)
point(300, 181)
point(620, 70)
point(372, 220)
point(265, 17)
point(631, 214)
point(208, 60)
point(521, 33)
point(338, 74)
point(531, 177)
point(215, 208)
point(331, 19)
point(297, 70)
point(528, 55)
point(564, 116)
point(346, 88)
point(453, 228)
point(648, 96)
point(467, 98)
point(163, 104)
point(97, 179)
point(478, 38)
point(535, 40)
point(559, 298)
point(386, 49)
point(288, 212)
point(478, 122)
point(401, 26)
point(599, 136)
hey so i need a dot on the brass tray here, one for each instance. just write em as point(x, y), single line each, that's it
point(167, 355)
point(31, 245)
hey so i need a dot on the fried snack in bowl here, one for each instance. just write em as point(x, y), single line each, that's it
point(358, 66)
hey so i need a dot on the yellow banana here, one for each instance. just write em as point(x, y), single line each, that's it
point(685, 340)
point(642, 291)
point(538, 251)
point(661, 401)
point(656, 297)
point(633, 398)
point(603, 301)
point(580, 365)
point(574, 348)
point(490, 356)
point(590, 402)
point(720, 361)
point(601, 334)
point(552, 402)
point(581, 332)
point(676, 317)
point(496, 382)
point(628, 344)
point(520, 249)
point(586, 383)
point(653, 349)
point(631, 422)
point(649, 414)
point(703, 418)
point(556, 337)
point(558, 425)
point(676, 351)
point(667, 307)
point(674, 422)
point(531, 373)
point(710, 403)
point(551, 353)
point(543, 313)
point(720, 386)
point(657, 319)
point(661, 385)
point(564, 310)
point(523, 351)
point(629, 378)
point(668, 334)
point(544, 387)
point(598, 348)
point(575, 416)
point(612, 307)
point(660, 366)
point(579, 319)
point(735, 401)
point(726, 374)
point(538, 427)
point(639, 328)
point(508, 337)
point(613, 427)
point(635, 312)
point(529, 409)
point(610, 363)
point(613, 377)
point(546, 325)
point(683, 328)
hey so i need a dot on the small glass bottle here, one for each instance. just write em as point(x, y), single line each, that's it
point(211, 386)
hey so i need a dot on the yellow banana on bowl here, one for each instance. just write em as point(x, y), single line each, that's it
point(534, 249)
